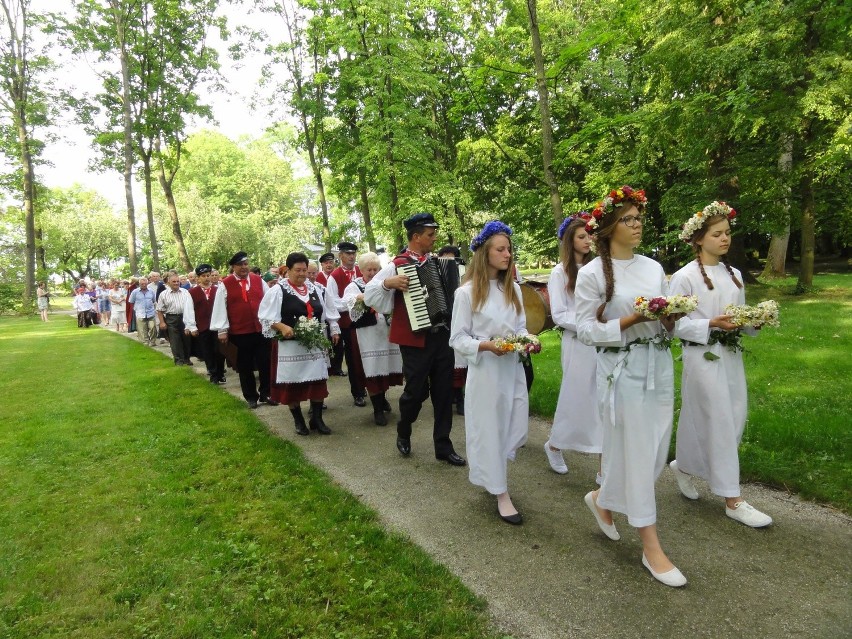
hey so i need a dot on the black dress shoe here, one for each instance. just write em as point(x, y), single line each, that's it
point(360, 401)
point(403, 446)
point(252, 404)
point(515, 519)
point(452, 459)
point(379, 418)
point(221, 380)
point(266, 400)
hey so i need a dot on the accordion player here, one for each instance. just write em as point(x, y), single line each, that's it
point(431, 287)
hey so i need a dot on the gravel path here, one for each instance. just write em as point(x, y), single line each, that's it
point(557, 576)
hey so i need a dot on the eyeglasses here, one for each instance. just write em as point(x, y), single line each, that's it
point(631, 220)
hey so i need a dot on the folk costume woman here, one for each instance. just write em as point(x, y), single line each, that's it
point(298, 373)
point(576, 423)
point(635, 376)
point(713, 414)
point(376, 362)
point(487, 306)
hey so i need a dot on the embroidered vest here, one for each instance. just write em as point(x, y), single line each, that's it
point(242, 316)
point(203, 306)
point(339, 276)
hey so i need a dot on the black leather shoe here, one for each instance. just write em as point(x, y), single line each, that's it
point(252, 404)
point(452, 459)
point(266, 400)
point(360, 401)
point(515, 519)
point(221, 380)
point(403, 446)
point(379, 418)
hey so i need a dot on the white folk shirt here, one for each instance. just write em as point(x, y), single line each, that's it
point(178, 302)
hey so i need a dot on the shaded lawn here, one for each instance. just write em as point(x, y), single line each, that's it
point(139, 501)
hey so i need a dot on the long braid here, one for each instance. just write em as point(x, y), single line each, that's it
point(707, 280)
point(724, 260)
point(602, 245)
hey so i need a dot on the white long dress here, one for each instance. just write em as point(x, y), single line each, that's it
point(635, 387)
point(496, 404)
point(576, 423)
point(714, 397)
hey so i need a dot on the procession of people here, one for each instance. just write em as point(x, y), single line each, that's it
point(419, 324)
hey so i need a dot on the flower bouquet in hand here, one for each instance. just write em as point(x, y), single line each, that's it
point(310, 333)
point(658, 307)
point(523, 345)
point(762, 314)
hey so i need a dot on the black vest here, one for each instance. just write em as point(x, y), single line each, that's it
point(368, 318)
point(292, 308)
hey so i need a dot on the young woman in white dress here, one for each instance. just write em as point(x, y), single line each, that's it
point(576, 423)
point(488, 305)
point(714, 407)
point(635, 374)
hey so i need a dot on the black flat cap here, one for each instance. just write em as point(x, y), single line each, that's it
point(347, 247)
point(420, 219)
point(239, 258)
point(326, 257)
point(201, 269)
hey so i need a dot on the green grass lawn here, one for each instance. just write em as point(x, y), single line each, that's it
point(798, 435)
point(139, 501)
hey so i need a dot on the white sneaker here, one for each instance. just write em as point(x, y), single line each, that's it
point(684, 481)
point(557, 462)
point(747, 514)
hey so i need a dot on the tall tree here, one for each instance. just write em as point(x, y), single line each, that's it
point(23, 103)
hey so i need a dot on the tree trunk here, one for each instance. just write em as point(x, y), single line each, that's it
point(29, 211)
point(806, 270)
point(166, 185)
point(776, 258)
point(41, 262)
point(128, 144)
point(149, 206)
point(544, 111)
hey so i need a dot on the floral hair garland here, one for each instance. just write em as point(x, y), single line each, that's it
point(615, 199)
point(697, 221)
point(582, 215)
point(491, 228)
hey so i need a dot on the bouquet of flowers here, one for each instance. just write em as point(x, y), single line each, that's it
point(523, 345)
point(310, 333)
point(763, 314)
point(658, 307)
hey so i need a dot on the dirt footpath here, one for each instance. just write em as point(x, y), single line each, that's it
point(557, 576)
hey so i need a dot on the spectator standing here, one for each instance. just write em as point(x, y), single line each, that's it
point(144, 303)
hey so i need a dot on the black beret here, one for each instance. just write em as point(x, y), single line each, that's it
point(239, 258)
point(326, 257)
point(346, 247)
point(201, 269)
point(420, 219)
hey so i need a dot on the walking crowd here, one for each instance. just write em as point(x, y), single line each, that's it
point(296, 324)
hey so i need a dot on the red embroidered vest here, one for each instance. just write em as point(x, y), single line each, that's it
point(400, 328)
point(242, 316)
point(203, 306)
point(339, 276)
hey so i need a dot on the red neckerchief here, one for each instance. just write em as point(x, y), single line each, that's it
point(409, 253)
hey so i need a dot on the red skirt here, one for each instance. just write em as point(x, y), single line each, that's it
point(459, 377)
point(374, 385)
point(315, 391)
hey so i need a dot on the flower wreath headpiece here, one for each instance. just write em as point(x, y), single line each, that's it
point(491, 228)
point(582, 215)
point(615, 199)
point(694, 224)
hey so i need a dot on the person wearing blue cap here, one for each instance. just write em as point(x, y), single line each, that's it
point(427, 359)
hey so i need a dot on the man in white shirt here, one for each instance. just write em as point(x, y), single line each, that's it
point(177, 317)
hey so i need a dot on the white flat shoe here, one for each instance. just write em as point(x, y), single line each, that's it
point(608, 529)
point(557, 462)
point(673, 577)
point(747, 514)
point(684, 481)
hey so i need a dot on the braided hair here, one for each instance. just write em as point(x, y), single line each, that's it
point(698, 235)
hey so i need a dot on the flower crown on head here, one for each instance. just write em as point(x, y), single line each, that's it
point(582, 215)
point(615, 199)
point(697, 221)
point(491, 228)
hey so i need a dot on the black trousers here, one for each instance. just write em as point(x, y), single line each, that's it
point(252, 353)
point(179, 341)
point(337, 356)
point(428, 371)
point(346, 340)
point(206, 346)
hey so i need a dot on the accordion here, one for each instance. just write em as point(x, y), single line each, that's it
point(431, 286)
